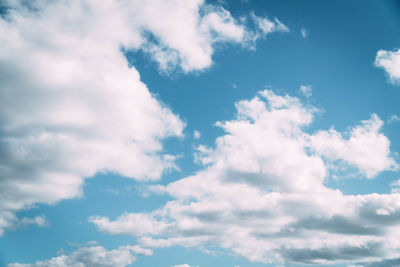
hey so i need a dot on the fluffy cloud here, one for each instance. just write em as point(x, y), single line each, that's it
point(71, 105)
point(366, 148)
point(91, 256)
point(390, 62)
point(134, 224)
point(262, 193)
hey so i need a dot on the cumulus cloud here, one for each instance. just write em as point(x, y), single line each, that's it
point(262, 193)
point(366, 148)
point(390, 62)
point(92, 256)
point(72, 106)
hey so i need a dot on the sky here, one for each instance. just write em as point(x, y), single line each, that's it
point(199, 133)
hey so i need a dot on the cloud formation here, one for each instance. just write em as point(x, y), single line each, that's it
point(306, 90)
point(265, 26)
point(92, 256)
point(72, 106)
point(390, 62)
point(262, 192)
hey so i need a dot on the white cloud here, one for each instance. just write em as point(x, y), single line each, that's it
point(196, 135)
point(267, 26)
point(261, 194)
point(89, 256)
point(184, 265)
point(366, 148)
point(264, 26)
point(306, 90)
point(130, 224)
point(72, 107)
point(13, 223)
point(390, 62)
point(182, 36)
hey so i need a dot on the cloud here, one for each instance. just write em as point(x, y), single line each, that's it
point(267, 26)
point(264, 26)
point(16, 223)
point(366, 148)
point(381, 263)
point(40, 221)
point(181, 36)
point(306, 90)
point(390, 62)
point(134, 224)
point(395, 186)
point(262, 194)
point(72, 106)
point(92, 256)
point(196, 135)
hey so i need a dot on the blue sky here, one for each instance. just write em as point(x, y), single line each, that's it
point(295, 160)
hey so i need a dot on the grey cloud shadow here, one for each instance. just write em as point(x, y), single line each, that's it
point(344, 253)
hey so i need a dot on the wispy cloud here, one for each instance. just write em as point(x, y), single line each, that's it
point(306, 90)
point(393, 118)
